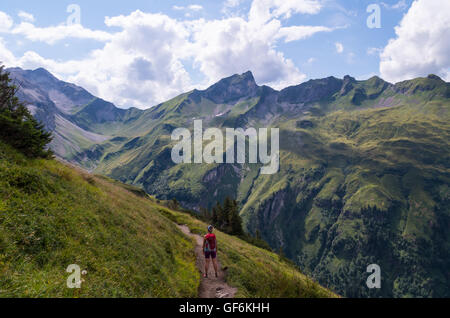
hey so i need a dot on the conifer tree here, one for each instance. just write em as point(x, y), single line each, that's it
point(235, 220)
point(17, 126)
point(214, 219)
point(220, 216)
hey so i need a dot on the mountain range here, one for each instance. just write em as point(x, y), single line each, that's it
point(364, 168)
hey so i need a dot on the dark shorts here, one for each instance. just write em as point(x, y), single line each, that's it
point(212, 255)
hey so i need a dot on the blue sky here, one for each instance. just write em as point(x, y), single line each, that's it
point(139, 53)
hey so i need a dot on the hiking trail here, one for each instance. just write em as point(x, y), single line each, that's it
point(210, 287)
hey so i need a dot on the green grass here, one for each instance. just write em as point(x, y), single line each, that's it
point(254, 271)
point(52, 215)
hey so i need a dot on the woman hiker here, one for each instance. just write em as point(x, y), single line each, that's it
point(210, 250)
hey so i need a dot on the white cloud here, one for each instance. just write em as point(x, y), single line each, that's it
point(235, 45)
point(295, 33)
point(53, 34)
point(133, 70)
point(195, 7)
point(421, 46)
point(374, 51)
point(232, 3)
point(262, 11)
point(6, 22)
point(129, 70)
point(401, 5)
point(339, 47)
point(224, 47)
point(6, 57)
point(25, 16)
point(233, 8)
point(143, 63)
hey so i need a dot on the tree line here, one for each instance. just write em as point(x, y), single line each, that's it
point(225, 217)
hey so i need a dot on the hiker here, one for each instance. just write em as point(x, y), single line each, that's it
point(210, 250)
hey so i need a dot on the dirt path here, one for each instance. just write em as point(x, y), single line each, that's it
point(210, 287)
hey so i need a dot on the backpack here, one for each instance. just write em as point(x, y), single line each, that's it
point(210, 243)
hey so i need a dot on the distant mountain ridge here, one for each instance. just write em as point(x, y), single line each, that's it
point(364, 176)
point(65, 109)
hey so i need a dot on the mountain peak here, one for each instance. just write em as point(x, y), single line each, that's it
point(434, 77)
point(236, 79)
point(14, 69)
point(247, 76)
point(43, 72)
point(348, 78)
point(43, 76)
point(233, 88)
point(44, 86)
point(347, 85)
point(376, 78)
point(310, 91)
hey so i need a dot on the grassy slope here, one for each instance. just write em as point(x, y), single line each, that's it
point(254, 271)
point(52, 215)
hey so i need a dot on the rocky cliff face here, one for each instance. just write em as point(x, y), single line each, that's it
point(67, 110)
point(41, 86)
point(232, 89)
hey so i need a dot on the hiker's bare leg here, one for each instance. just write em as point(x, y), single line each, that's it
point(215, 265)
point(207, 265)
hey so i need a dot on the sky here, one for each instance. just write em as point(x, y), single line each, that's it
point(139, 53)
